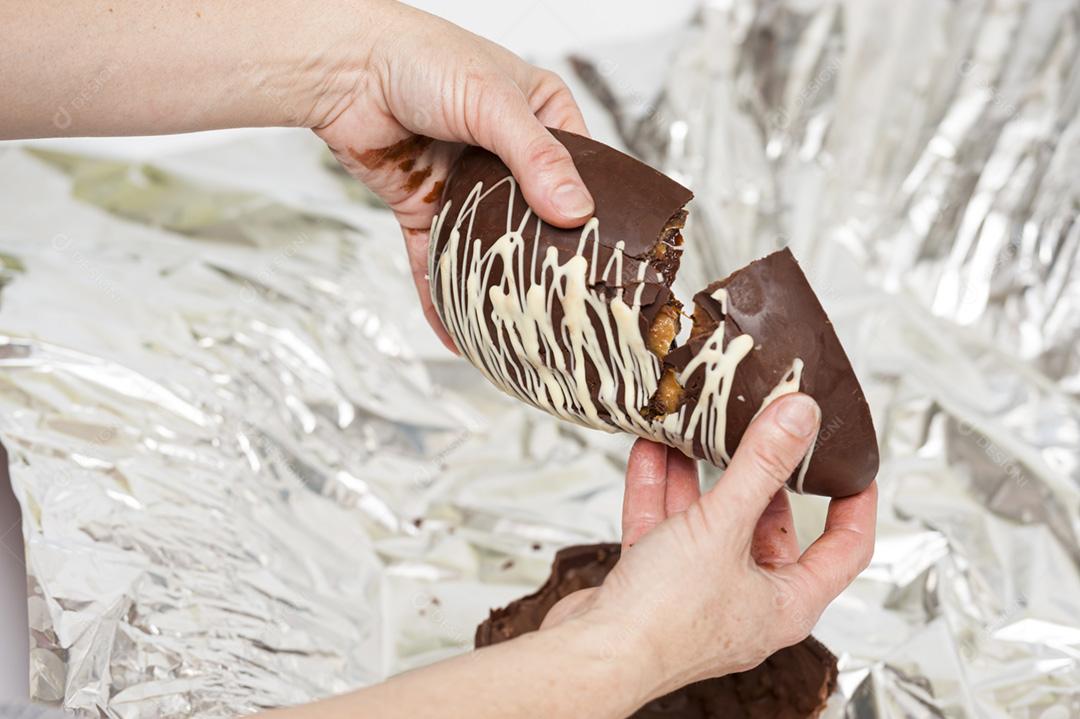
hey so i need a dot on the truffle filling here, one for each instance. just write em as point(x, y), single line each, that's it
point(667, 251)
point(669, 393)
point(664, 258)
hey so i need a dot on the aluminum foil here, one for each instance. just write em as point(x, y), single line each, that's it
point(250, 476)
point(923, 161)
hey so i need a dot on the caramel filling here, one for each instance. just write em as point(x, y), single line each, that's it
point(664, 258)
point(668, 396)
point(664, 328)
point(666, 253)
point(669, 393)
point(701, 324)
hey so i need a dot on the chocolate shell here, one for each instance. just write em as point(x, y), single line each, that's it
point(581, 322)
point(771, 300)
point(793, 683)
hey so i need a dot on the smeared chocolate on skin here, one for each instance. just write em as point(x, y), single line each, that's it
point(405, 155)
point(415, 179)
point(407, 150)
point(436, 191)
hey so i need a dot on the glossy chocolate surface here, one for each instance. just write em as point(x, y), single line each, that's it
point(771, 300)
point(558, 318)
point(633, 205)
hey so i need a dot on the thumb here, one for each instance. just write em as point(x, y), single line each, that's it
point(568, 607)
point(772, 447)
point(549, 181)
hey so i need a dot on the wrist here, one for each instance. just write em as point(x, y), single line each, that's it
point(314, 73)
point(619, 657)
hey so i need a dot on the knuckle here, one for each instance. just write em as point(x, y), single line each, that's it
point(865, 557)
point(771, 463)
point(484, 97)
point(546, 153)
point(551, 81)
point(492, 91)
point(783, 597)
point(794, 618)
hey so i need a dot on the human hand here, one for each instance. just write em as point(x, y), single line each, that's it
point(713, 584)
point(394, 92)
point(429, 86)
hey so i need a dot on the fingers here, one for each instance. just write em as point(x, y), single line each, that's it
point(774, 543)
point(840, 553)
point(643, 500)
point(770, 450)
point(416, 246)
point(683, 487)
point(549, 181)
point(554, 105)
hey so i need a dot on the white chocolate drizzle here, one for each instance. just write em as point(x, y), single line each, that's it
point(789, 383)
point(510, 333)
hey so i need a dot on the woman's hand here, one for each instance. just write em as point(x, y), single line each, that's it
point(713, 584)
point(707, 585)
point(427, 86)
point(393, 91)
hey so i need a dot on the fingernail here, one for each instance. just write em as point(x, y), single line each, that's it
point(572, 201)
point(799, 415)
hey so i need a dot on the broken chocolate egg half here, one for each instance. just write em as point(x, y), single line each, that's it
point(582, 322)
point(793, 683)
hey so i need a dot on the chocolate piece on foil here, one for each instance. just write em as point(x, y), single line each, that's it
point(793, 683)
point(582, 323)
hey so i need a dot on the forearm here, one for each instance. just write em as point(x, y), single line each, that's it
point(121, 67)
point(575, 669)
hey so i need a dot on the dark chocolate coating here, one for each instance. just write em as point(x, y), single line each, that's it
point(633, 204)
point(633, 201)
point(793, 683)
point(772, 301)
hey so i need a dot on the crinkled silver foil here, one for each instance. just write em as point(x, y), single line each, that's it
point(249, 473)
point(923, 161)
point(250, 476)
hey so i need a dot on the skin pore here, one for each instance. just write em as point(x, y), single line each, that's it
point(396, 93)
